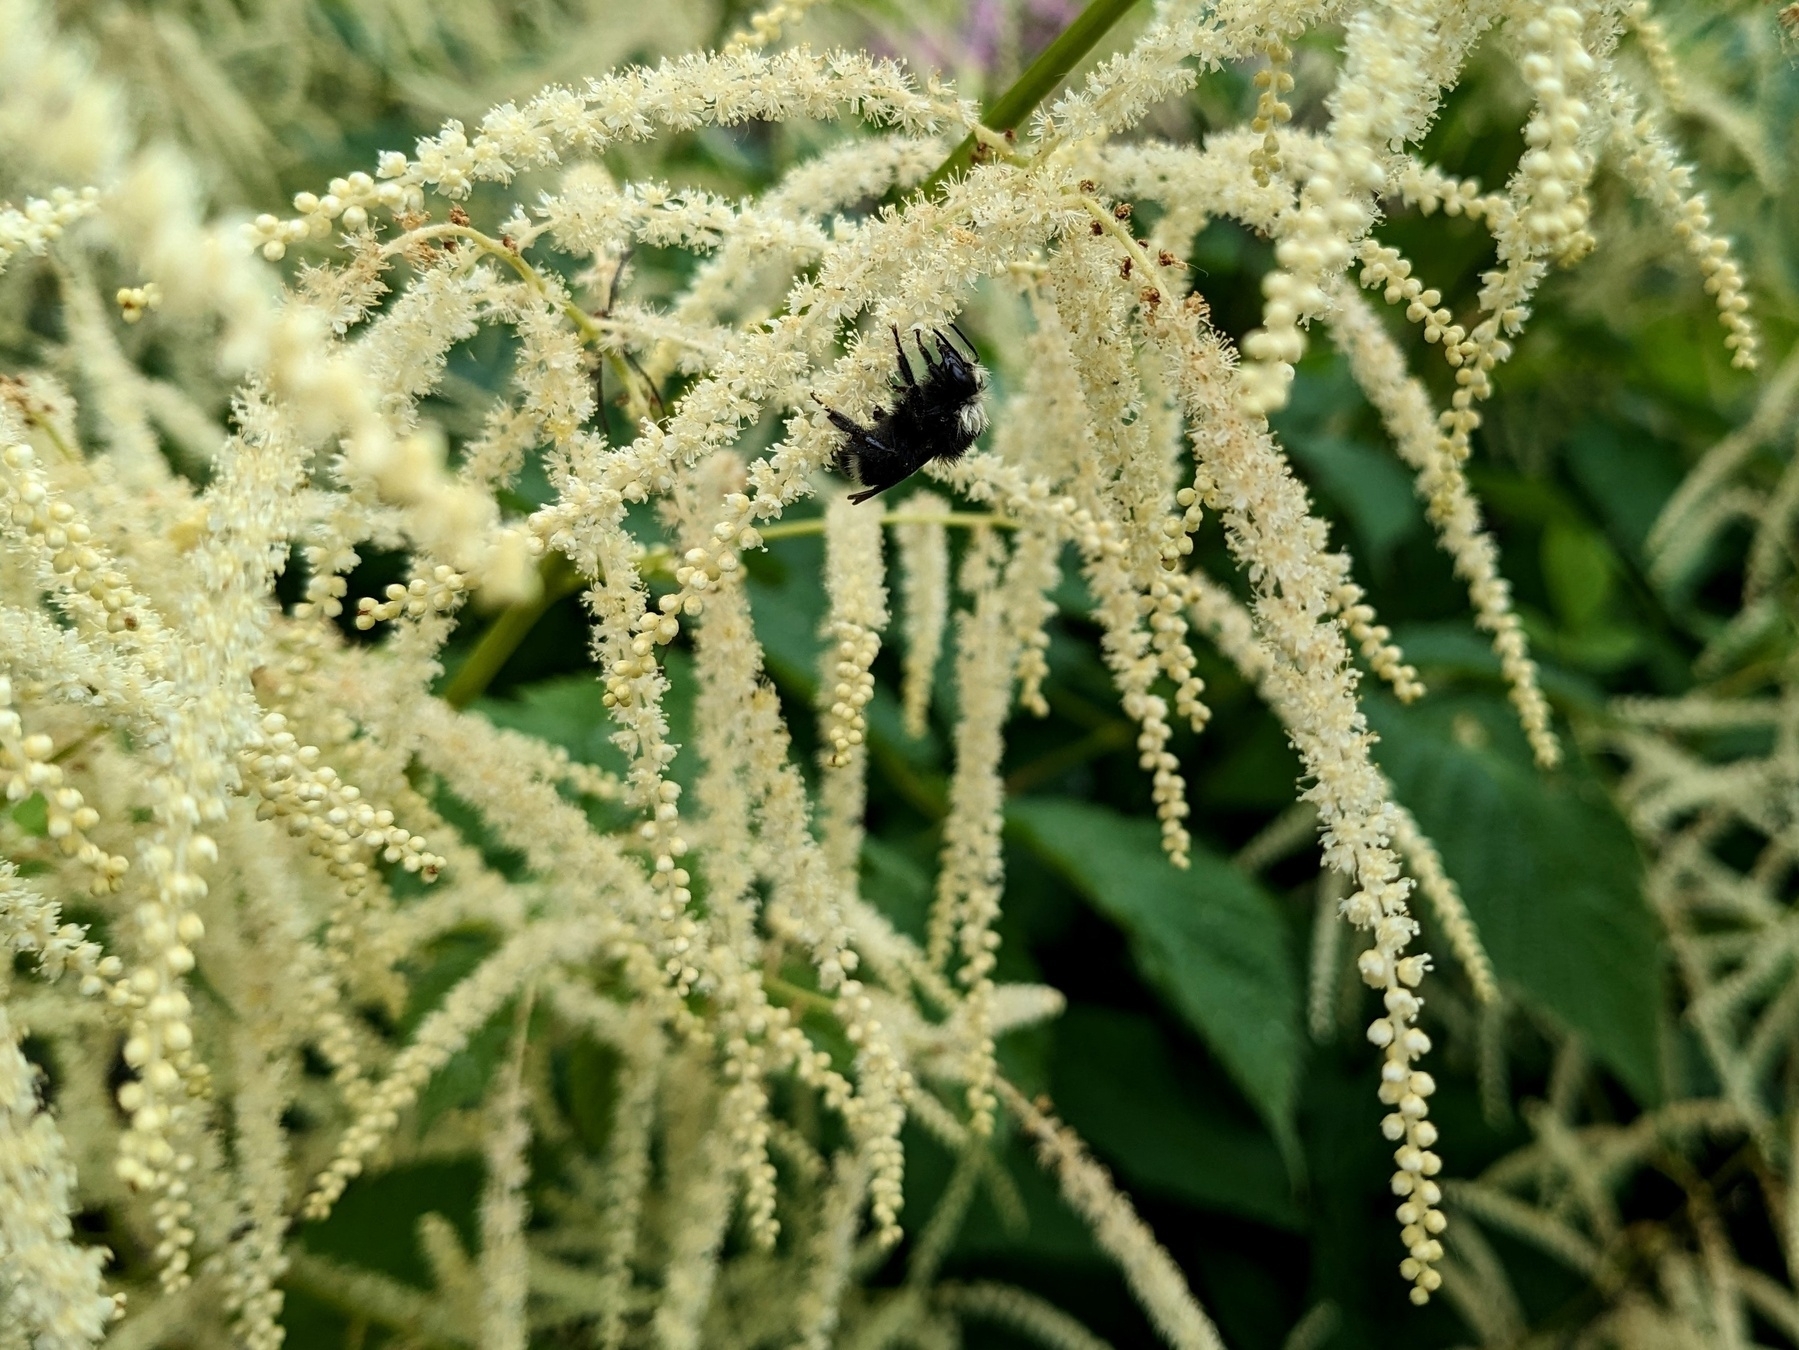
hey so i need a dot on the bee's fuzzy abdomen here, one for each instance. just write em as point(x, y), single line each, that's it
point(936, 417)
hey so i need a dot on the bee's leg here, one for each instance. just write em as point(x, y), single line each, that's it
point(904, 365)
point(612, 285)
point(648, 383)
point(929, 364)
point(955, 328)
point(847, 425)
point(857, 498)
point(860, 448)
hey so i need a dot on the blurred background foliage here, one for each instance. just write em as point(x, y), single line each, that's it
point(1222, 1080)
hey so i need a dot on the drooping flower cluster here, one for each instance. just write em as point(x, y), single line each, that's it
point(700, 915)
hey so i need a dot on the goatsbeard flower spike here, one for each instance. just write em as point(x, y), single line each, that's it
point(778, 479)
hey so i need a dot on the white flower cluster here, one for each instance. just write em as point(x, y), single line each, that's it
point(1554, 171)
point(41, 222)
point(924, 565)
point(52, 1285)
point(858, 614)
point(27, 769)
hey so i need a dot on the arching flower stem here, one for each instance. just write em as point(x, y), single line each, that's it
point(967, 520)
point(1037, 82)
point(558, 579)
point(506, 253)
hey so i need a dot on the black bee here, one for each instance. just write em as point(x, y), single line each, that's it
point(936, 419)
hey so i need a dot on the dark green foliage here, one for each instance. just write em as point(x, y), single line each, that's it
point(1209, 941)
point(1549, 872)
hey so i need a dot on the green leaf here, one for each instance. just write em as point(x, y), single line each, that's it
point(1209, 940)
point(1452, 650)
point(569, 711)
point(462, 1081)
point(440, 967)
point(1578, 570)
point(1549, 872)
point(788, 607)
point(1628, 481)
point(1602, 648)
point(565, 711)
point(897, 885)
point(590, 1079)
point(1375, 492)
point(32, 816)
point(375, 1224)
point(1120, 1083)
point(1255, 774)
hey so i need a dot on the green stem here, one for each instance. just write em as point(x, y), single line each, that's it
point(558, 580)
point(1038, 81)
point(508, 254)
point(968, 520)
point(792, 995)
